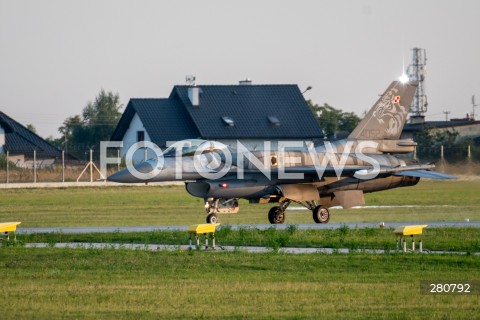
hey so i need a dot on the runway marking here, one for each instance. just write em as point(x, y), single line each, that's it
point(370, 207)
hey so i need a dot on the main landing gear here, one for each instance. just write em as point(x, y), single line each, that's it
point(276, 215)
point(321, 214)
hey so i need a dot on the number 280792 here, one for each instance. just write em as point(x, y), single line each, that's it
point(450, 287)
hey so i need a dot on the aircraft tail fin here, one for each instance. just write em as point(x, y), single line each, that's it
point(387, 117)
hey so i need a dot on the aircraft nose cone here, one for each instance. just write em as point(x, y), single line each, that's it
point(125, 176)
point(122, 176)
point(144, 167)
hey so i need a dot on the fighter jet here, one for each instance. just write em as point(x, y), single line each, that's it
point(316, 177)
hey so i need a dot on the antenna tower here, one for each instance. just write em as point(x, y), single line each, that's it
point(446, 114)
point(473, 107)
point(190, 80)
point(417, 71)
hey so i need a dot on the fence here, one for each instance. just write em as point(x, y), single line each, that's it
point(18, 169)
point(454, 154)
point(448, 159)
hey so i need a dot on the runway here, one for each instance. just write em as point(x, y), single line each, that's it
point(314, 226)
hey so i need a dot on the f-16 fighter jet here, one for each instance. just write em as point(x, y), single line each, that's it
point(316, 177)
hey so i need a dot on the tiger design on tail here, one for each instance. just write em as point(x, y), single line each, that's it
point(390, 111)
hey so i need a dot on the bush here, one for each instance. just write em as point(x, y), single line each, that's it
point(3, 162)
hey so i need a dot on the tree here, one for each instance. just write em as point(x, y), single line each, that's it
point(101, 116)
point(72, 134)
point(429, 144)
point(57, 142)
point(97, 123)
point(348, 122)
point(333, 121)
point(31, 128)
point(4, 161)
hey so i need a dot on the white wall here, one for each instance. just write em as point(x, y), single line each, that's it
point(130, 138)
point(2, 139)
point(136, 124)
point(257, 144)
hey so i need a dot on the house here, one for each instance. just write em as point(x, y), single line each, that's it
point(248, 113)
point(467, 127)
point(20, 143)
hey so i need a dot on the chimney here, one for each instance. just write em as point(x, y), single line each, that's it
point(245, 82)
point(194, 96)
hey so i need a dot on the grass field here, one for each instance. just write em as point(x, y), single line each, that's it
point(109, 284)
point(148, 205)
point(50, 283)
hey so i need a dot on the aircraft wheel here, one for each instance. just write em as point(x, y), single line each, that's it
point(321, 214)
point(212, 218)
point(276, 216)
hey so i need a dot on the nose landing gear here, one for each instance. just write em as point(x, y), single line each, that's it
point(215, 206)
point(212, 218)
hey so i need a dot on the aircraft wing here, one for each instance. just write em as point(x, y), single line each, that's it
point(425, 174)
point(421, 171)
point(328, 171)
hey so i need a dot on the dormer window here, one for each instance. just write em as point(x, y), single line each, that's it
point(228, 121)
point(274, 121)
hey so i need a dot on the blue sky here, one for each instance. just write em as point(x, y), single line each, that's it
point(56, 55)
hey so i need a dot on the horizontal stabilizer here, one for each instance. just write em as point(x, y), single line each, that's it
point(425, 174)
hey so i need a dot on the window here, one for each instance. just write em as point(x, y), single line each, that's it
point(274, 121)
point(140, 136)
point(228, 121)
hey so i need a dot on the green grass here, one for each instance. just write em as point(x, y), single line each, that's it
point(54, 283)
point(116, 284)
point(149, 205)
point(439, 239)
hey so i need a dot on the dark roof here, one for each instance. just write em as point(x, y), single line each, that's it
point(252, 109)
point(163, 119)
point(438, 124)
point(20, 140)
point(224, 112)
